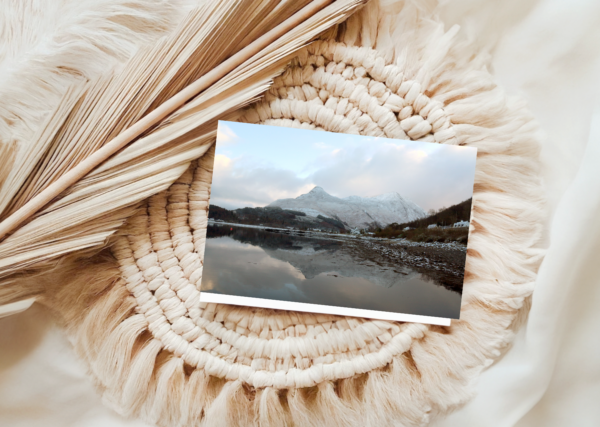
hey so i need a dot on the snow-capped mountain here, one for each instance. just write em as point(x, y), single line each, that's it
point(357, 212)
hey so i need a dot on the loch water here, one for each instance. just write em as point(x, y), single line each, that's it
point(253, 262)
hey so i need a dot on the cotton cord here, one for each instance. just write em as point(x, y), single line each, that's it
point(349, 89)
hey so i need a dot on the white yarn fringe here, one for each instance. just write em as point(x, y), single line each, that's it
point(46, 46)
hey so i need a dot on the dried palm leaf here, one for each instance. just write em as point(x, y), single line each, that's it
point(62, 194)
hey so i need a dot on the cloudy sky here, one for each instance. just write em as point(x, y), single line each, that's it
point(257, 164)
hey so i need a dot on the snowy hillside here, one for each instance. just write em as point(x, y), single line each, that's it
point(354, 210)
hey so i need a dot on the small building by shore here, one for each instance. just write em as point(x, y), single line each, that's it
point(461, 224)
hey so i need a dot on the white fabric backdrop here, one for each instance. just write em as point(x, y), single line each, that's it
point(547, 51)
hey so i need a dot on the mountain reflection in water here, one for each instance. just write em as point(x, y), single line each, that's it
point(252, 262)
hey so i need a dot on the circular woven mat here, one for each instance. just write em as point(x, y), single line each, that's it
point(185, 361)
point(348, 89)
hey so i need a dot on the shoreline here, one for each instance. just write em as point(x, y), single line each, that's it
point(350, 237)
point(447, 265)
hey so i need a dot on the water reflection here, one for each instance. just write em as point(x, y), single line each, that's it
point(256, 263)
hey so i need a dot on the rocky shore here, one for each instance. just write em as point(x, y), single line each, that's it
point(444, 262)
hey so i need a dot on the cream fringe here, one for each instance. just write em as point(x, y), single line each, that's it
point(46, 48)
point(434, 370)
point(47, 45)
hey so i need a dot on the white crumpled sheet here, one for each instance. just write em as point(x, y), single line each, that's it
point(547, 52)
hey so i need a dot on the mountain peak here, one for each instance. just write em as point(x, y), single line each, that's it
point(317, 190)
point(388, 196)
point(317, 193)
point(354, 211)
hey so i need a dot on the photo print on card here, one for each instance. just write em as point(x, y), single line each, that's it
point(352, 225)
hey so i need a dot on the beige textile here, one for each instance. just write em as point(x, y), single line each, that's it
point(436, 349)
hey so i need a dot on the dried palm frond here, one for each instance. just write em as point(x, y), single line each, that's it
point(158, 102)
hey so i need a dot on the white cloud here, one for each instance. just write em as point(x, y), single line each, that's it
point(226, 136)
point(235, 185)
point(417, 155)
point(432, 180)
point(222, 162)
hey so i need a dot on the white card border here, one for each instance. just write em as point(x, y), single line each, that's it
point(318, 308)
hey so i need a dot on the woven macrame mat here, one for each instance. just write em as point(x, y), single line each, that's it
point(158, 353)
